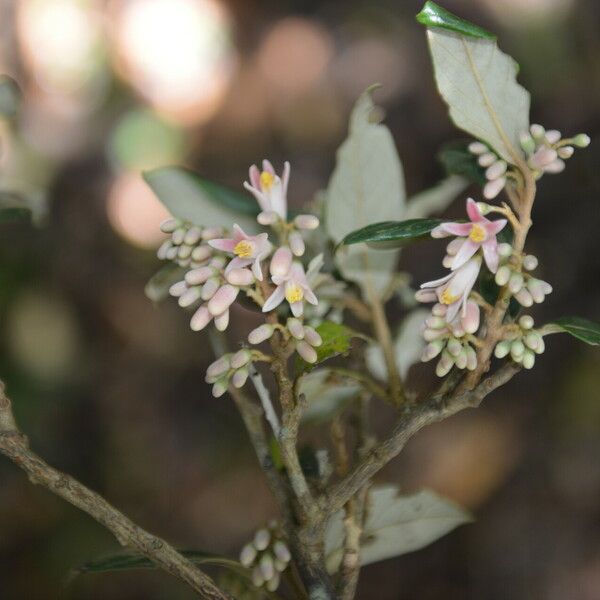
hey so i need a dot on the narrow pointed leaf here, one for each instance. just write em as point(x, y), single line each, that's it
point(433, 15)
point(392, 231)
point(580, 328)
point(478, 83)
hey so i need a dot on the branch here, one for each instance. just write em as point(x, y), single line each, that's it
point(14, 445)
point(437, 408)
point(265, 399)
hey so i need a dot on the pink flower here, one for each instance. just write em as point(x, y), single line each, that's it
point(479, 233)
point(292, 287)
point(270, 190)
point(248, 250)
point(452, 290)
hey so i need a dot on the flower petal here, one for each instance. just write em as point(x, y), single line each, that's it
point(223, 244)
point(490, 254)
point(494, 227)
point(473, 211)
point(460, 229)
point(254, 176)
point(297, 308)
point(468, 248)
point(436, 282)
point(275, 299)
point(256, 270)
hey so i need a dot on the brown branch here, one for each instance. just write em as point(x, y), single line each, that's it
point(437, 408)
point(14, 445)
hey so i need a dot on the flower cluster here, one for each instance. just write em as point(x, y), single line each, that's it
point(222, 262)
point(545, 151)
point(523, 343)
point(268, 556)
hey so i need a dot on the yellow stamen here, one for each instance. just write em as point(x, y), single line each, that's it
point(478, 233)
point(244, 249)
point(448, 298)
point(266, 180)
point(294, 293)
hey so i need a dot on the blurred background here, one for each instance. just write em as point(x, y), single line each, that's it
point(110, 388)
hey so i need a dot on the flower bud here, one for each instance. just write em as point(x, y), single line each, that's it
point(439, 310)
point(267, 217)
point(178, 289)
point(505, 250)
point(161, 253)
point(306, 351)
point(516, 350)
point(502, 349)
point(209, 288)
point(541, 346)
point(260, 334)
point(566, 152)
point(448, 261)
point(190, 296)
point(281, 262)
point(470, 321)
point(532, 340)
point(223, 298)
point(241, 358)
point(306, 222)
point(536, 288)
point(471, 358)
point(537, 131)
point(262, 538)
point(542, 158)
point(257, 578)
point(178, 235)
point(200, 319)
point(198, 276)
point(493, 188)
point(524, 298)
point(273, 583)
point(240, 377)
point(210, 233)
point(487, 159)
point(171, 253)
point(528, 359)
point(484, 208)
point(193, 236)
point(266, 566)
point(219, 366)
point(556, 166)
point(296, 243)
point(282, 552)
point(454, 347)
point(222, 320)
point(526, 322)
point(530, 262)
point(432, 350)
point(477, 148)
point(435, 323)
point(296, 328)
point(461, 359)
point(247, 555)
point(496, 170)
point(515, 283)
point(312, 337)
point(184, 251)
point(240, 277)
point(444, 365)
point(581, 140)
point(201, 253)
point(527, 143)
point(553, 136)
point(170, 225)
point(219, 388)
point(433, 334)
point(280, 565)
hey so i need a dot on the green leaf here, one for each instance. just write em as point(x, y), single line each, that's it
point(191, 198)
point(435, 199)
point(14, 207)
point(395, 525)
point(392, 231)
point(157, 288)
point(580, 328)
point(10, 97)
point(478, 83)
point(457, 160)
point(326, 394)
point(433, 15)
point(367, 186)
point(336, 340)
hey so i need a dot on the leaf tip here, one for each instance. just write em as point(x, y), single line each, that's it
point(433, 15)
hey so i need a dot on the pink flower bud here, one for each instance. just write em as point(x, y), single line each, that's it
point(439, 310)
point(553, 136)
point(267, 218)
point(211, 233)
point(219, 366)
point(200, 319)
point(433, 334)
point(454, 347)
point(493, 188)
point(171, 253)
point(542, 158)
point(224, 297)
point(217, 262)
point(477, 148)
point(247, 555)
point(189, 297)
point(461, 359)
point(432, 350)
point(266, 566)
point(222, 321)
point(170, 225)
point(434, 322)
point(312, 337)
point(471, 358)
point(425, 296)
point(444, 365)
point(240, 358)
point(524, 298)
point(296, 328)
point(184, 252)
point(161, 253)
point(496, 170)
point(556, 166)
point(178, 235)
point(201, 253)
point(239, 378)
point(262, 539)
point(209, 288)
point(537, 289)
point(537, 131)
point(260, 334)
point(470, 321)
point(281, 262)
point(282, 552)
point(177, 289)
point(296, 243)
point(515, 283)
point(306, 351)
point(219, 389)
point(240, 277)
point(566, 152)
point(487, 159)
point(193, 236)
point(306, 222)
point(198, 276)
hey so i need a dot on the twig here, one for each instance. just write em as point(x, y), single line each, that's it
point(367, 382)
point(14, 445)
point(265, 399)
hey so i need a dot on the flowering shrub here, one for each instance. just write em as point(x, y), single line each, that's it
point(317, 286)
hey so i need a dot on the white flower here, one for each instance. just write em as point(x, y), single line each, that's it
point(292, 287)
point(270, 190)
